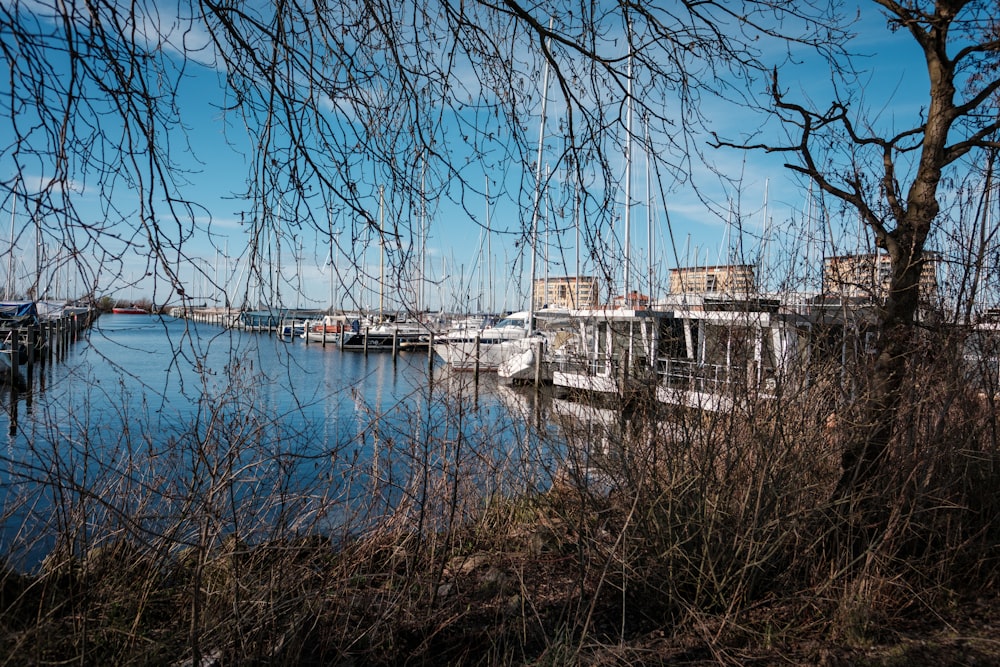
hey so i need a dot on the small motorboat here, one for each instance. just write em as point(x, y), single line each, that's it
point(129, 310)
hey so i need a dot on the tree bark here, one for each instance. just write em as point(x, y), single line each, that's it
point(868, 447)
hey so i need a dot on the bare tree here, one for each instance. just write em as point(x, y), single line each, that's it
point(333, 103)
point(894, 180)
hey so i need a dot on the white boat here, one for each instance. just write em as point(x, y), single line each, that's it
point(727, 350)
point(613, 350)
point(129, 310)
point(50, 310)
point(525, 365)
point(482, 349)
point(488, 348)
point(327, 330)
point(531, 362)
point(388, 336)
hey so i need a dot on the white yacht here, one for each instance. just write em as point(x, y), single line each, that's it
point(487, 348)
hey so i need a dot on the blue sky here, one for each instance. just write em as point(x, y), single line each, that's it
point(769, 198)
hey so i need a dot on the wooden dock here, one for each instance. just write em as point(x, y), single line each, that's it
point(36, 343)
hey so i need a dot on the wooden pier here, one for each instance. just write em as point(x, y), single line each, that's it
point(34, 343)
point(316, 329)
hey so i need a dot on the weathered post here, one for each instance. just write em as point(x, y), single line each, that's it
point(13, 399)
point(15, 353)
point(476, 367)
point(13, 374)
point(430, 355)
point(63, 338)
point(50, 353)
point(537, 345)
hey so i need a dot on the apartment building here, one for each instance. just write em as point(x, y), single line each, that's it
point(727, 279)
point(867, 275)
point(566, 292)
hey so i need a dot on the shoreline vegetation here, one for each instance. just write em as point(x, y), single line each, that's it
point(537, 592)
point(720, 540)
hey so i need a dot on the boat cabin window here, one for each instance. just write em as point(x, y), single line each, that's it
point(511, 322)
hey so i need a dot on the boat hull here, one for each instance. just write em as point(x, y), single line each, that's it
point(468, 355)
point(385, 342)
point(527, 364)
point(322, 336)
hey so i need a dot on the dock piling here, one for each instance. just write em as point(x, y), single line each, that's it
point(430, 355)
point(476, 368)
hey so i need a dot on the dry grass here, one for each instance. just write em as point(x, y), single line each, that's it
point(712, 541)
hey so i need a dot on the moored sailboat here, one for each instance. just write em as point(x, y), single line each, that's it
point(327, 330)
point(388, 336)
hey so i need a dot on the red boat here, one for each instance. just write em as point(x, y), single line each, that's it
point(129, 310)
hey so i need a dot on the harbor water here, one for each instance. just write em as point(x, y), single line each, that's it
point(157, 426)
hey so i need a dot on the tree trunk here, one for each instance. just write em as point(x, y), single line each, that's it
point(868, 446)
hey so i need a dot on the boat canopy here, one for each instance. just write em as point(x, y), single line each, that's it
point(18, 311)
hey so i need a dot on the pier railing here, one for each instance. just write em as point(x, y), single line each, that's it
point(716, 379)
point(700, 377)
point(587, 366)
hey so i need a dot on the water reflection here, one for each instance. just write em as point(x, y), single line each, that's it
point(152, 419)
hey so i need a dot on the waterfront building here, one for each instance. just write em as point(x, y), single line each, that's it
point(726, 279)
point(866, 275)
point(636, 300)
point(569, 292)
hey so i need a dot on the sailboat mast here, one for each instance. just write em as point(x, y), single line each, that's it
point(576, 245)
point(537, 196)
point(335, 301)
point(225, 290)
point(627, 241)
point(276, 278)
point(10, 255)
point(421, 283)
point(329, 257)
point(381, 246)
point(38, 255)
point(215, 280)
point(297, 245)
point(489, 252)
point(650, 238)
point(548, 209)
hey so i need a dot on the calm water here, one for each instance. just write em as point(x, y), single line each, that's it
point(158, 371)
point(151, 415)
